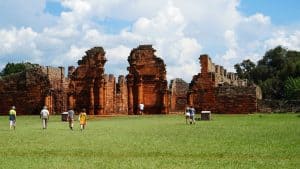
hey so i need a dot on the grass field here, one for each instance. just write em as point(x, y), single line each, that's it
point(228, 141)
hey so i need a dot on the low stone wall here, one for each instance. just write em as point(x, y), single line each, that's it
point(236, 100)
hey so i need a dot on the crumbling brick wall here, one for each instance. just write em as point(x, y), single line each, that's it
point(236, 100)
point(56, 100)
point(178, 95)
point(110, 88)
point(30, 90)
point(87, 83)
point(121, 96)
point(147, 82)
point(93, 90)
point(218, 91)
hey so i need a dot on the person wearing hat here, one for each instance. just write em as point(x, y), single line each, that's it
point(44, 115)
point(82, 119)
point(12, 117)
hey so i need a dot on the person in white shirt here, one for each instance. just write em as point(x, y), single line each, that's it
point(187, 114)
point(44, 115)
point(141, 108)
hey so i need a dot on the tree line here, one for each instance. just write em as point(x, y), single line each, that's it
point(277, 73)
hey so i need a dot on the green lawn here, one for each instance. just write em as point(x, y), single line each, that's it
point(228, 141)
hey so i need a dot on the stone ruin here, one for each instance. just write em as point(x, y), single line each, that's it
point(216, 90)
point(147, 81)
point(90, 88)
point(178, 95)
point(30, 90)
point(87, 86)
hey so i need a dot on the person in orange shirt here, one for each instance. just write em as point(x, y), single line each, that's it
point(82, 119)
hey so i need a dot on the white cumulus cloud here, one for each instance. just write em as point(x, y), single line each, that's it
point(179, 30)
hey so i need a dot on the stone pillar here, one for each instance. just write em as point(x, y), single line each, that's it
point(101, 96)
point(165, 106)
point(130, 94)
point(49, 103)
point(104, 95)
point(91, 102)
point(140, 91)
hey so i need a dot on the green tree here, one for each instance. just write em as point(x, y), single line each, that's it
point(244, 69)
point(292, 88)
point(272, 72)
point(12, 68)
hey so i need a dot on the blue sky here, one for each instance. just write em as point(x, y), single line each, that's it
point(281, 11)
point(57, 33)
point(54, 8)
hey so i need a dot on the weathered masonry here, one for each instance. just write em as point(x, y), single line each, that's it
point(30, 90)
point(178, 95)
point(87, 86)
point(218, 91)
point(147, 82)
point(90, 88)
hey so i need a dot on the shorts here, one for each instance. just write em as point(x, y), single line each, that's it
point(12, 122)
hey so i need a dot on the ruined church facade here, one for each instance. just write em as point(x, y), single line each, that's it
point(146, 82)
point(88, 86)
point(214, 89)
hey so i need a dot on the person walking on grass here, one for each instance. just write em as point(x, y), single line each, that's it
point(82, 119)
point(192, 115)
point(71, 118)
point(44, 115)
point(12, 117)
point(187, 114)
point(141, 108)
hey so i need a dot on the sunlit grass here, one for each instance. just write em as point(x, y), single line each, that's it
point(228, 141)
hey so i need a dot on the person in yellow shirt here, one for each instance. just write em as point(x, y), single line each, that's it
point(12, 117)
point(82, 119)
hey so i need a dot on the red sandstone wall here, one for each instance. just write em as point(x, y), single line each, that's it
point(147, 82)
point(26, 91)
point(90, 88)
point(110, 88)
point(57, 96)
point(87, 83)
point(121, 96)
point(178, 97)
point(218, 91)
point(236, 100)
